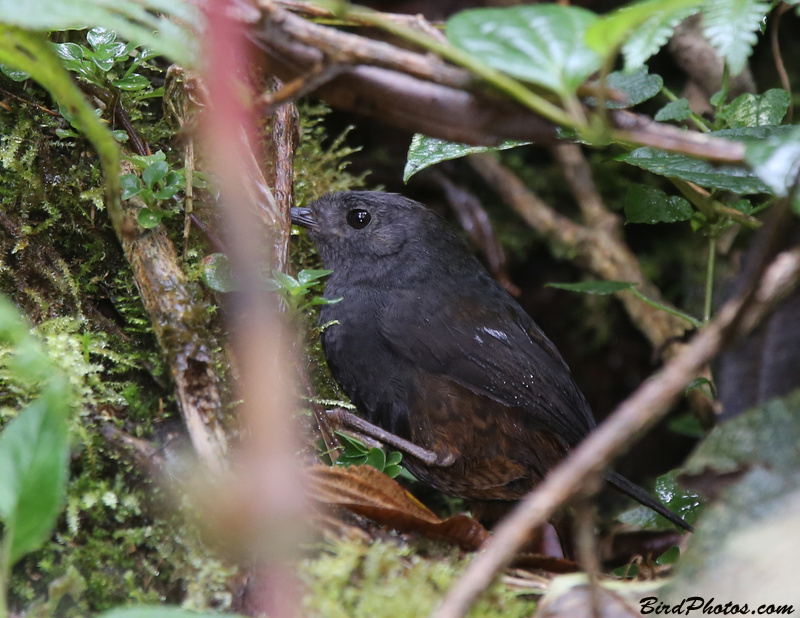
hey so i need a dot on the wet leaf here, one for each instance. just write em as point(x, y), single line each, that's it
point(645, 204)
point(155, 173)
point(757, 110)
point(674, 110)
point(131, 185)
point(149, 218)
point(216, 273)
point(776, 160)
point(426, 151)
point(729, 177)
point(638, 86)
point(677, 499)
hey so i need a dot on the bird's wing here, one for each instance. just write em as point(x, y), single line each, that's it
point(485, 342)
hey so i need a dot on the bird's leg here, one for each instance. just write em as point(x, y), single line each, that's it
point(348, 420)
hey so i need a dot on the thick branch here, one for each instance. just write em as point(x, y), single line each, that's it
point(280, 148)
point(181, 325)
point(423, 93)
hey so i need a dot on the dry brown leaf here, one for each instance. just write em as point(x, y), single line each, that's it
point(368, 492)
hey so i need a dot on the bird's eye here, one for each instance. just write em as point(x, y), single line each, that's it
point(358, 218)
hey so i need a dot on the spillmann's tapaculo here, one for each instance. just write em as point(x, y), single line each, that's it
point(430, 347)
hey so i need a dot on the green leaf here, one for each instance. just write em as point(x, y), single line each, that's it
point(729, 177)
point(216, 273)
point(602, 288)
point(703, 384)
point(132, 83)
point(351, 444)
point(426, 151)
point(131, 185)
point(165, 26)
point(154, 173)
point(776, 160)
point(321, 300)
point(309, 275)
point(287, 282)
point(166, 193)
point(682, 501)
point(145, 161)
point(394, 458)
point(542, 44)
point(13, 74)
point(106, 56)
point(609, 32)
point(757, 110)
point(648, 38)
point(376, 458)
point(28, 362)
point(68, 51)
point(627, 571)
point(175, 179)
point(687, 425)
point(645, 204)
point(638, 86)
point(392, 471)
point(34, 450)
point(100, 36)
point(737, 179)
point(145, 611)
point(351, 459)
point(731, 26)
point(66, 133)
point(669, 557)
point(148, 218)
point(674, 110)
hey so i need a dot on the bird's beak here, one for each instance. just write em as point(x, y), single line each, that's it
point(304, 217)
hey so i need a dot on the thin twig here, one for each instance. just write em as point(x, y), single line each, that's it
point(41, 108)
point(586, 543)
point(631, 419)
point(476, 223)
point(776, 54)
point(579, 178)
point(343, 418)
point(712, 208)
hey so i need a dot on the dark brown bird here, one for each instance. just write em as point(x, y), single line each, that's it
point(428, 346)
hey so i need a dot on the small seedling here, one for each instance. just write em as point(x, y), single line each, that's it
point(157, 184)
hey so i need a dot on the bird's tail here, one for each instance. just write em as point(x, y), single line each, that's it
point(642, 497)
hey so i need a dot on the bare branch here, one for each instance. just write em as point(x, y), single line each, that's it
point(579, 178)
point(422, 93)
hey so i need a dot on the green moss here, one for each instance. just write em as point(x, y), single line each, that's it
point(355, 580)
point(64, 268)
point(321, 168)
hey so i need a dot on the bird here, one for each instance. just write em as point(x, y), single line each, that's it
point(429, 346)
